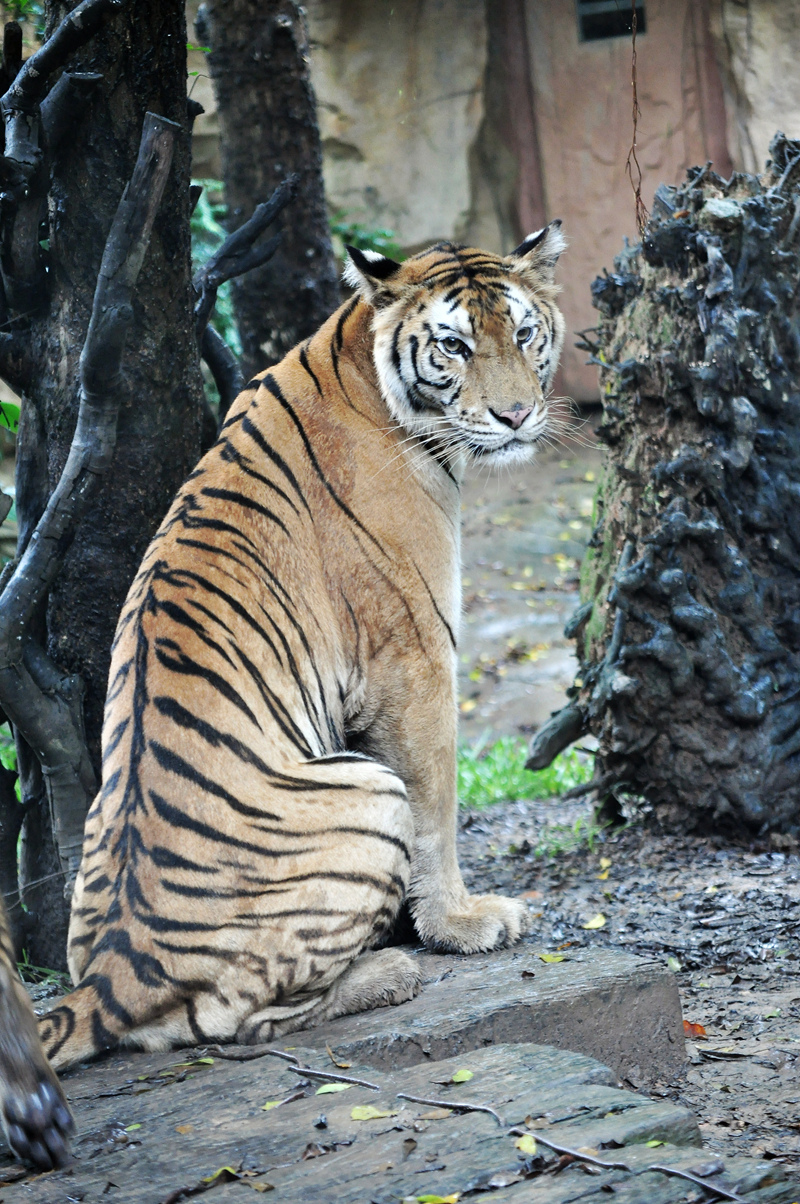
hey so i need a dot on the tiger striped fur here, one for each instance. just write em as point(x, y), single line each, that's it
point(36, 1119)
point(280, 731)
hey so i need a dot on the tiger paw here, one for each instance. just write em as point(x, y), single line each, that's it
point(38, 1126)
point(485, 922)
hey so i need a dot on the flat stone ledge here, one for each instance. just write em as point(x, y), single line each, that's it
point(621, 1009)
point(154, 1128)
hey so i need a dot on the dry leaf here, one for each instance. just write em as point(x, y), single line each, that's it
point(369, 1112)
point(526, 1144)
point(436, 1114)
point(693, 1030)
point(340, 1065)
point(330, 1088)
point(598, 921)
point(409, 1145)
point(182, 1129)
point(271, 1103)
point(602, 877)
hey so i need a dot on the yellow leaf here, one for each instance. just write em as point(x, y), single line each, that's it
point(602, 877)
point(526, 1144)
point(330, 1088)
point(130, 1128)
point(598, 921)
point(589, 476)
point(183, 1129)
point(224, 1174)
point(652, 1144)
point(341, 1065)
point(271, 1103)
point(369, 1112)
point(605, 863)
point(461, 1076)
point(456, 1196)
point(552, 957)
point(468, 705)
point(436, 1114)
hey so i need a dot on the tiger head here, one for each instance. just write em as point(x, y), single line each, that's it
point(467, 343)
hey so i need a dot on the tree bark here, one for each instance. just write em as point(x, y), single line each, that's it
point(268, 131)
point(689, 631)
point(140, 55)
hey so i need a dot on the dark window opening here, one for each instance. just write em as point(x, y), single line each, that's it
point(599, 19)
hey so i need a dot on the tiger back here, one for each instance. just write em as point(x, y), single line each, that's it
point(279, 743)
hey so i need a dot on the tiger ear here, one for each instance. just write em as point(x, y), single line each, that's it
point(369, 273)
point(537, 256)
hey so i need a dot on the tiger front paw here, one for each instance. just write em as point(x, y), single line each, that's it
point(484, 922)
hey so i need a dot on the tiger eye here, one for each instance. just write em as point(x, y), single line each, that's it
point(453, 345)
point(524, 333)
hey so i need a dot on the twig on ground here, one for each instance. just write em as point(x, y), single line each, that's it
point(451, 1104)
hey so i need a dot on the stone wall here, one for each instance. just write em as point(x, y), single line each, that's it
point(758, 44)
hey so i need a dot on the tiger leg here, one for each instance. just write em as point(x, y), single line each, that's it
point(35, 1115)
point(421, 748)
point(374, 980)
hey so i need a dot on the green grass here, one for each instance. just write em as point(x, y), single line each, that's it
point(497, 774)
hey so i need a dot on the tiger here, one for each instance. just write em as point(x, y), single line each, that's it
point(279, 738)
point(36, 1117)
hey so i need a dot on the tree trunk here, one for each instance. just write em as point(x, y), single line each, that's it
point(268, 130)
point(689, 632)
point(140, 53)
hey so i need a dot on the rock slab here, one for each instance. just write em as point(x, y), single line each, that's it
point(623, 1010)
point(157, 1129)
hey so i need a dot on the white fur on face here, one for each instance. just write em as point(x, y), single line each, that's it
point(430, 387)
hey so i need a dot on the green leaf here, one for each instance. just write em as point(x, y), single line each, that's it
point(130, 1128)
point(330, 1088)
point(193, 46)
point(674, 964)
point(652, 1144)
point(9, 415)
point(552, 957)
point(271, 1103)
point(462, 1076)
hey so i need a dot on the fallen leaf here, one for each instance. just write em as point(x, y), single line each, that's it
point(590, 1150)
point(271, 1103)
point(598, 921)
point(456, 1196)
point(531, 894)
point(183, 1129)
point(605, 863)
point(369, 1112)
point(130, 1128)
point(602, 877)
point(772, 1013)
point(693, 1030)
point(553, 957)
point(260, 1185)
point(314, 1150)
point(330, 1088)
point(409, 1145)
point(341, 1065)
point(225, 1174)
point(526, 1144)
point(436, 1114)
point(651, 1145)
point(674, 964)
point(460, 1076)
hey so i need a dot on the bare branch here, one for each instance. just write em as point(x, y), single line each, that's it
point(42, 703)
point(238, 254)
point(224, 368)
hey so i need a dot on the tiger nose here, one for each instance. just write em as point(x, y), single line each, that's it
point(513, 418)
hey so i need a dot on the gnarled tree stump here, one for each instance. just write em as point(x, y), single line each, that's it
point(689, 630)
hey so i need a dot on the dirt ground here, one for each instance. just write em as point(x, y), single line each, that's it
point(728, 915)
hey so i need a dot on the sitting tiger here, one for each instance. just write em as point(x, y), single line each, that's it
point(279, 744)
point(36, 1119)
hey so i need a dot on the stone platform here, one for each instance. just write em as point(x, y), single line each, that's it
point(156, 1129)
point(623, 1010)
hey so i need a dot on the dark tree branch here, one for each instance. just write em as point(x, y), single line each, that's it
point(224, 368)
point(44, 704)
point(64, 104)
point(238, 254)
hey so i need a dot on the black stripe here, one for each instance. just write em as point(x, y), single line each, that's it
point(274, 389)
point(304, 362)
point(168, 759)
point(232, 456)
point(254, 433)
point(247, 503)
point(190, 668)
